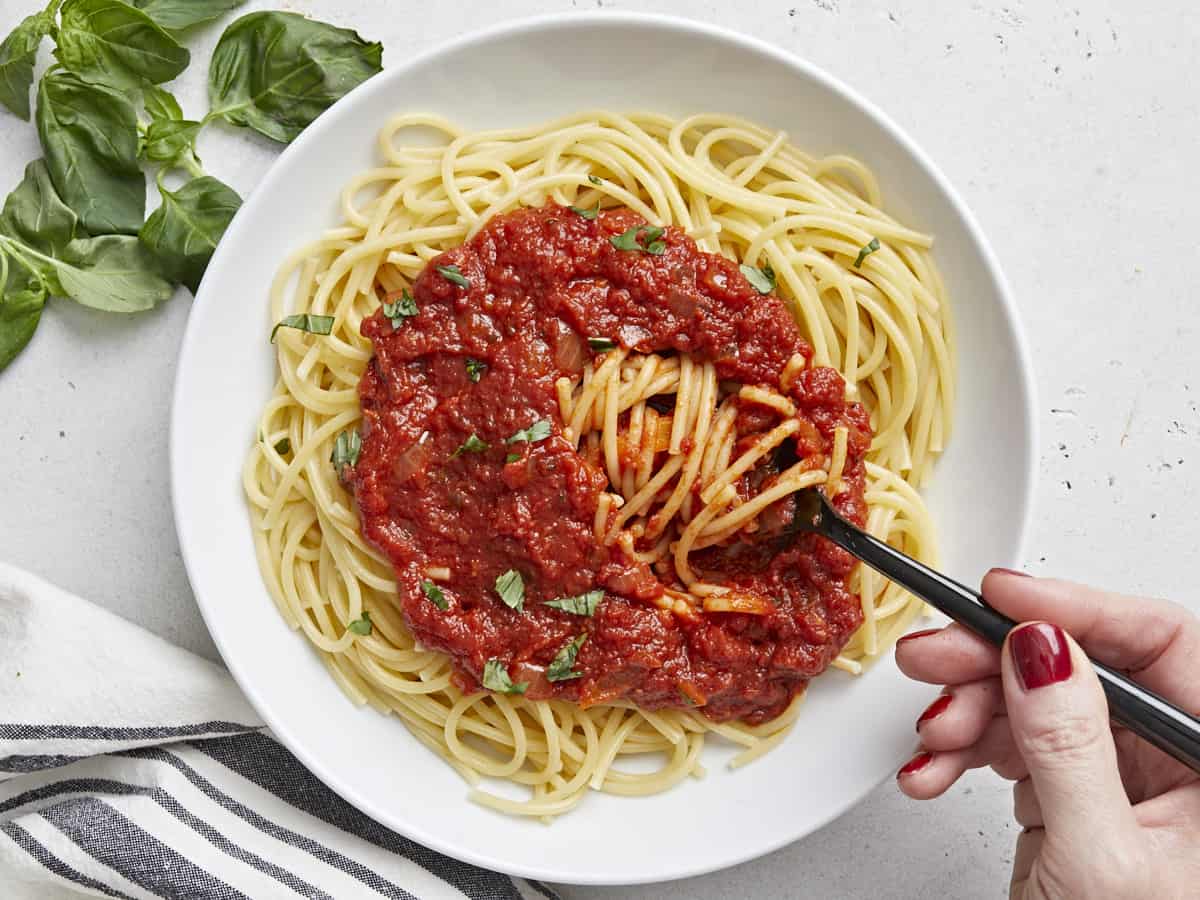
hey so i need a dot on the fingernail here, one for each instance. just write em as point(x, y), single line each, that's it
point(1040, 654)
point(917, 634)
point(1004, 571)
point(935, 709)
point(916, 764)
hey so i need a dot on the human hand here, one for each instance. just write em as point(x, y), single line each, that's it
point(1104, 813)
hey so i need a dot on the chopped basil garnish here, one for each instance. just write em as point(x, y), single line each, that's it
point(596, 180)
point(644, 238)
point(866, 251)
point(304, 322)
point(560, 667)
point(580, 605)
point(538, 431)
point(587, 213)
point(398, 311)
point(511, 588)
point(435, 595)
point(475, 369)
point(455, 275)
point(363, 625)
point(512, 457)
point(495, 678)
point(283, 446)
point(471, 445)
point(601, 344)
point(762, 280)
point(346, 449)
point(686, 699)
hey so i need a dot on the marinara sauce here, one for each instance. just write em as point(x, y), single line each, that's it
point(539, 282)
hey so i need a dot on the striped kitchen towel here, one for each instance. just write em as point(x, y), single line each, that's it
point(132, 768)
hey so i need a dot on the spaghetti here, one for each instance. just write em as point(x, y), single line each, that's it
point(688, 458)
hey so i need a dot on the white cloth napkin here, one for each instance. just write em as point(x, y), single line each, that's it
point(132, 768)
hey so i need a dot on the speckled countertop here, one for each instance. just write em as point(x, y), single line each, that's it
point(1070, 128)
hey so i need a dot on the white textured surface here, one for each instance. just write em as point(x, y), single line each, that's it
point(1070, 130)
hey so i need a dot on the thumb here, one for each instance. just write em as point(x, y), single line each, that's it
point(1059, 721)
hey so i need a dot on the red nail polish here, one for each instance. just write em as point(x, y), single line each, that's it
point(916, 764)
point(935, 709)
point(1004, 571)
point(917, 634)
point(1040, 654)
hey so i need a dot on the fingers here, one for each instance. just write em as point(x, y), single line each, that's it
point(930, 774)
point(1059, 723)
point(950, 655)
point(1176, 811)
point(1027, 810)
point(958, 718)
point(1029, 848)
point(1155, 641)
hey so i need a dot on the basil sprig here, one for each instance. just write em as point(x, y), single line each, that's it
point(304, 322)
point(276, 72)
point(866, 251)
point(762, 280)
point(78, 229)
point(398, 310)
point(538, 431)
point(471, 445)
point(560, 668)
point(585, 213)
point(580, 604)
point(511, 588)
point(454, 275)
point(475, 369)
point(363, 625)
point(495, 678)
point(434, 595)
point(643, 238)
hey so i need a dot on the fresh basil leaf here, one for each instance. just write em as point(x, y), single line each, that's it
point(399, 310)
point(90, 141)
point(580, 604)
point(161, 105)
point(112, 272)
point(596, 180)
point(111, 42)
point(587, 213)
point(538, 431)
point(363, 625)
point(435, 595)
point(455, 275)
point(471, 445)
point(602, 344)
point(175, 15)
point(22, 297)
point(866, 251)
point(184, 231)
point(511, 457)
point(495, 678)
point(305, 322)
point(511, 588)
point(34, 213)
point(560, 667)
point(283, 446)
point(168, 139)
point(347, 447)
point(276, 72)
point(762, 280)
point(18, 53)
point(475, 369)
point(643, 238)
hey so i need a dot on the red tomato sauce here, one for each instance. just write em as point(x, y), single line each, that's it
point(541, 281)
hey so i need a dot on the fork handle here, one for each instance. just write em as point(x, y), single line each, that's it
point(1143, 712)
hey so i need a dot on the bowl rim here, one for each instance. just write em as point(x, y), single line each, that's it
point(532, 25)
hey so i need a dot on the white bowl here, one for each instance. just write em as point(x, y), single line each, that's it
point(853, 732)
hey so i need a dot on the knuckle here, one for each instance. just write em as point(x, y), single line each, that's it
point(1064, 740)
